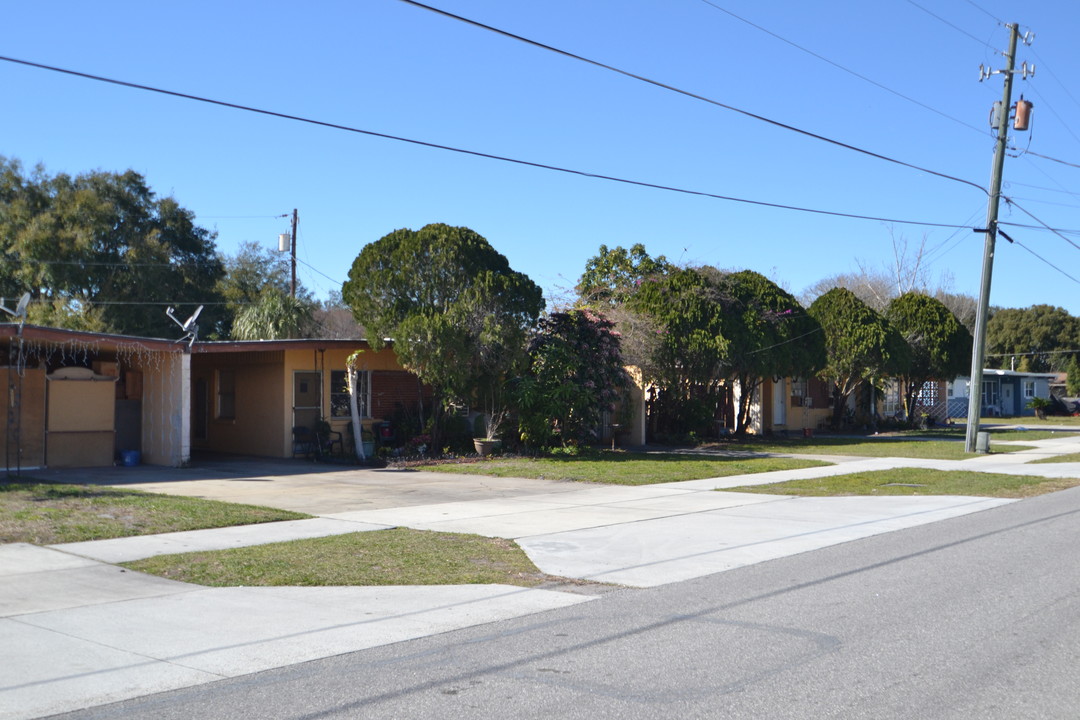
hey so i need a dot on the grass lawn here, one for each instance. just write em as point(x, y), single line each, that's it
point(1017, 435)
point(381, 557)
point(916, 481)
point(909, 446)
point(624, 468)
point(1070, 458)
point(1029, 421)
point(47, 513)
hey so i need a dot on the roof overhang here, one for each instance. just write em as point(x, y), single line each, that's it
point(60, 336)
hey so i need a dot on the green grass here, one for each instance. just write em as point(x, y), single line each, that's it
point(1014, 435)
point(907, 446)
point(1070, 458)
point(916, 481)
point(381, 557)
point(1028, 421)
point(47, 513)
point(624, 468)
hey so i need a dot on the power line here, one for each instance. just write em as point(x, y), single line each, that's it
point(1044, 103)
point(1043, 66)
point(1040, 187)
point(954, 27)
point(687, 93)
point(1047, 202)
point(1038, 227)
point(1013, 203)
point(845, 69)
point(240, 217)
point(1047, 157)
point(490, 156)
point(996, 19)
point(178, 265)
point(1044, 352)
point(1040, 257)
point(940, 250)
point(316, 270)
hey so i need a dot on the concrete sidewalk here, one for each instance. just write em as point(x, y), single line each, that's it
point(79, 631)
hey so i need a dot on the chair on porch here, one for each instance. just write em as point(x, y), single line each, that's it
point(327, 438)
point(305, 443)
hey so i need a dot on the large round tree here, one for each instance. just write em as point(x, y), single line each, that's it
point(860, 345)
point(940, 346)
point(769, 335)
point(101, 251)
point(456, 312)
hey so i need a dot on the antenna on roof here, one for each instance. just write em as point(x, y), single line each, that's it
point(191, 330)
point(19, 313)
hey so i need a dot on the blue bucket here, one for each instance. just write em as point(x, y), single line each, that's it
point(131, 458)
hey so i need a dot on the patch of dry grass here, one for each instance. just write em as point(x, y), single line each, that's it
point(48, 513)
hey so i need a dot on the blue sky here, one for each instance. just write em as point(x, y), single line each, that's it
point(388, 67)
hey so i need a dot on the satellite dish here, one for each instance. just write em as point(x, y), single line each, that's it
point(19, 313)
point(190, 328)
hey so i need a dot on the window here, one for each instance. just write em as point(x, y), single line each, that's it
point(339, 394)
point(890, 406)
point(226, 394)
point(798, 392)
point(1029, 389)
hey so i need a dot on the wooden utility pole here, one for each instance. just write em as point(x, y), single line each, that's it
point(292, 250)
point(978, 353)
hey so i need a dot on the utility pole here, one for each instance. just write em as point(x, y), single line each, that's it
point(978, 354)
point(292, 245)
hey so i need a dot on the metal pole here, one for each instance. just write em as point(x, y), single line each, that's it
point(292, 283)
point(978, 352)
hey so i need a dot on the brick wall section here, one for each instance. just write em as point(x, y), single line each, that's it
point(390, 387)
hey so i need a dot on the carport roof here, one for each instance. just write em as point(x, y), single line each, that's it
point(229, 346)
point(60, 335)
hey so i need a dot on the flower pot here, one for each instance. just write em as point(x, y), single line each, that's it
point(485, 446)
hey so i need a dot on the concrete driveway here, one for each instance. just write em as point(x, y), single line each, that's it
point(303, 486)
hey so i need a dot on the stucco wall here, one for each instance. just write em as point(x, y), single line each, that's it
point(255, 427)
point(166, 411)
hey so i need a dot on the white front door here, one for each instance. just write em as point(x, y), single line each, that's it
point(1007, 407)
point(779, 395)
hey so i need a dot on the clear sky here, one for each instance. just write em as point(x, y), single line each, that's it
point(389, 67)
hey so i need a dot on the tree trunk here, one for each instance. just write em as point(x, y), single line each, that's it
point(357, 428)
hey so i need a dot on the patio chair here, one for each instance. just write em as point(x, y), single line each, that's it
point(327, 438)
point(305, 443)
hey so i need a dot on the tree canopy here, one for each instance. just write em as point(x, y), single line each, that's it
point(101, 251)
point(769, 335)
point(1034, 337)
point(613, 275)
point(274, 315)
point(940, 346)
point(860, 344)
point(575, 374)
point(455, 310)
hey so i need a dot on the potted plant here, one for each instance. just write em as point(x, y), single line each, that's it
point(487, 439)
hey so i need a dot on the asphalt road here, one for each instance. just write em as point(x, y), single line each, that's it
point(974, 617)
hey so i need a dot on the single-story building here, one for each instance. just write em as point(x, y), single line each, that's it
point(80, 398)
point(792, 405)
point(1005, 393)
